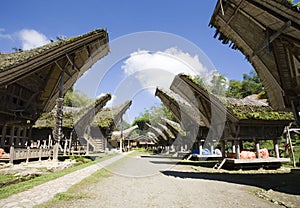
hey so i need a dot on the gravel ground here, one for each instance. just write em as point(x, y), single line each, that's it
point(148, 182)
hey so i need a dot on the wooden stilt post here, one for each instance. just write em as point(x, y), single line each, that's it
point(11, 154)
point(23, 141)
point(11, 139)
point(237, 149)
point(200, 148)
point(233, 147)
point(257, 148)
point(40, 154)
point(70, 142)
point(276, 149)
point(28, 154)
point(18, 137)
point(65, 147)
point(223, 148)
point(212, 149)
point(3, 136)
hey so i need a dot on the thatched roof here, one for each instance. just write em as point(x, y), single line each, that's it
point(154, 138)
point(174, 127)
point(88, 116)
point(73, 116)
point(235, 110)
point(158, 133)
point(109, 117)
point(166, 131)
point(183, 112)
point(31, 79)
point(267, 32)
point(116, 135)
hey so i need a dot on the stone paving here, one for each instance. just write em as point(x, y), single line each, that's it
point(46, 191)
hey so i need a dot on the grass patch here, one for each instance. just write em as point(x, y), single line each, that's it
point(65, 196)
point(23, 186)
point(77, 192)
point(4, 179)
point(144, 151)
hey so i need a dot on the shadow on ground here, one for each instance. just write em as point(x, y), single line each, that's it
point(207, 164)
point(288, 183)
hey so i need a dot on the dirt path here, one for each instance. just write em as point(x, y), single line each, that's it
point(144, 182)
point(46, 191)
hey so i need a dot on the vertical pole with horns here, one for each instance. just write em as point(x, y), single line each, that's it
point(57, 132)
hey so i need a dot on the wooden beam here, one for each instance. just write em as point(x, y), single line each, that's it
point(63, 69)
point(87, 47)
point(272, 38)
point(235, 12)
point(72, 62)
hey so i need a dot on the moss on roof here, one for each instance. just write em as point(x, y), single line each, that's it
point(107, 116)
point(244, 109)
point(176, 126)
point(47, 120)
point(243, 112)
point(9, 60)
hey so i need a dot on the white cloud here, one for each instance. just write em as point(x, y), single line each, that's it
point(3, 35)
point(160, 68)
point(32, 39)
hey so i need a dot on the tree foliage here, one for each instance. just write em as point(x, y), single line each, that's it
point(216, 85)
point(250, 85)
point(152, 116)
point(76, 98)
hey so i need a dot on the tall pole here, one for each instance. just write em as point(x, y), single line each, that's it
point(121, 138)
point(57, 132)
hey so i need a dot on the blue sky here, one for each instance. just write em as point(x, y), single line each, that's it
point(186, 19)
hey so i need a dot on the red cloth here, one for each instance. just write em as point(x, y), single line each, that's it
point(247, 155)
point(264, 153)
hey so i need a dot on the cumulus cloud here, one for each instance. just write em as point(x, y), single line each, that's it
point(32, 39)
point(3, 35)
point(160, 68)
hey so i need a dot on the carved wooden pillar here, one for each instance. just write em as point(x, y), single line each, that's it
point(57, 132)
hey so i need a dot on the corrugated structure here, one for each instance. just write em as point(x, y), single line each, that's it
point(267, 32)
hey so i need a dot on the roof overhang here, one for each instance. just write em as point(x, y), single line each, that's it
point(40, 73)
point(267, 32)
